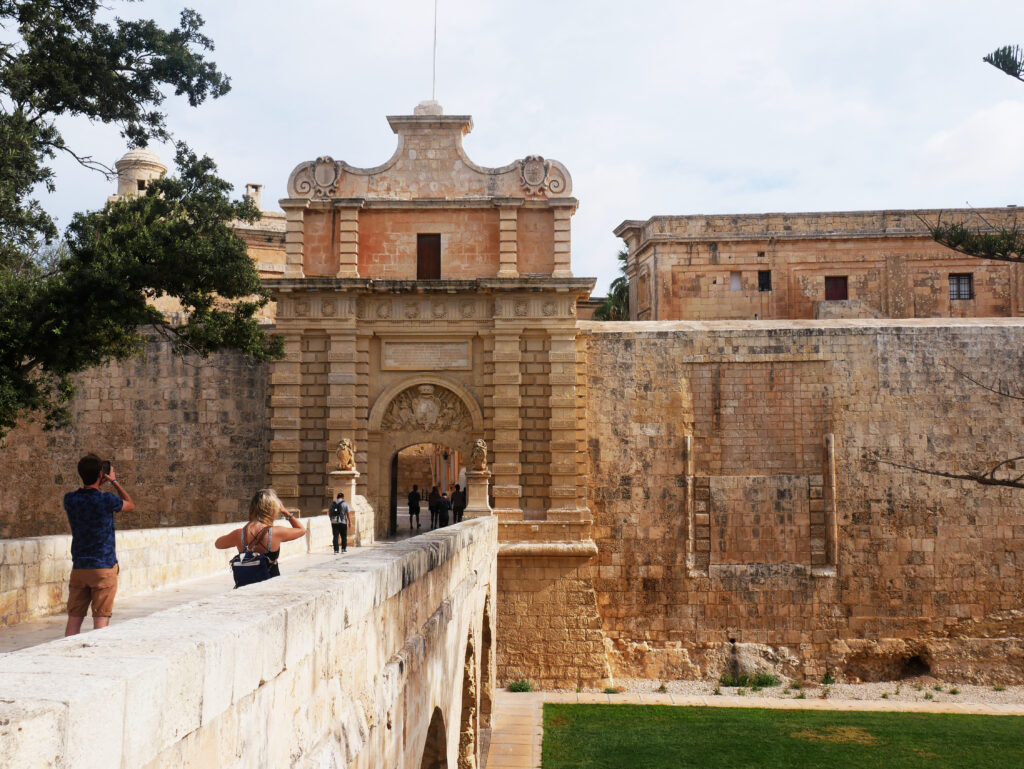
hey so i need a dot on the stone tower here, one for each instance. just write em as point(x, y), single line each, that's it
point(136, 169)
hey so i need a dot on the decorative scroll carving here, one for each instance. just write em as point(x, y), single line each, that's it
point(549, 308)
point(318, 179)
point(478, 457)
point(539, 176)
point(346, 454)
point(427, 407)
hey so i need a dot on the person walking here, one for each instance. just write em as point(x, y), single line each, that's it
point(414, 506)
point(433, 501)
point(339, 515)
point(94, 566)
point(458, 504)
point(444, 507)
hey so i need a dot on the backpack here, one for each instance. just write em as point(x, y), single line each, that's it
point(248, 566)
point(336, 512)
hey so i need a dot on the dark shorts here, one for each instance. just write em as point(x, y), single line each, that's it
point(92, 586)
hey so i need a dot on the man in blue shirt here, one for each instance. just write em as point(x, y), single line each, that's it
point(93, 557)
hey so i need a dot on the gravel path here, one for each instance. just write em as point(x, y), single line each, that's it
point(920, 689)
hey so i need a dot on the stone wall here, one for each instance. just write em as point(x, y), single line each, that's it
point(34, 571)
point(371, 661)
point(936, 563)
point(188, 437)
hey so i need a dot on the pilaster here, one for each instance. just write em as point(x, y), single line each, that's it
point(285, 420)
point(294, 236)
point(563, 211)
point(507, 424)
point(563, 424)
point(508, 237)
point(341, 388)
point(348, 238)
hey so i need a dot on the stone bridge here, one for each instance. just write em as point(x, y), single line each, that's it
point(382, 658)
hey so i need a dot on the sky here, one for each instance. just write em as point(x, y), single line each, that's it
point(655, 107)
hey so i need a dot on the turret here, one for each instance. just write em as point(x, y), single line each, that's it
point(136, 169)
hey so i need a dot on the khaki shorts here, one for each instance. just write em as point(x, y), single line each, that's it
point(95, 586)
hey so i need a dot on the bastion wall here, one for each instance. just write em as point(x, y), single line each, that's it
point(932, 564)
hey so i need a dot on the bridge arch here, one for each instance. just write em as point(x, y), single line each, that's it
point(426, 408)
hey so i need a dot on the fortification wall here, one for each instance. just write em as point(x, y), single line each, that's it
point(377, 660)
point(937, 564)
point(188, 437)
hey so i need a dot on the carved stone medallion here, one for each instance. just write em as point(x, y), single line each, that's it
point(428, 408)
point(533, 171)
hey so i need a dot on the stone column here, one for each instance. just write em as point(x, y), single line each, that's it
point(285, 420)
point(348, 237)
point(294, 236)
point(563, 211)
point(507, 441)
point(563, 425)
point(477, 504)
point(343, 482)
point(508, 237)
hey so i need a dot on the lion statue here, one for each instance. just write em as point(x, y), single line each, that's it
point(478, 457)
point(346, 454)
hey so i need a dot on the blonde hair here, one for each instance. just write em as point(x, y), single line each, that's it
point(265, 506)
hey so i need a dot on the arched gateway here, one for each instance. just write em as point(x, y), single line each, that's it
point(421, 409)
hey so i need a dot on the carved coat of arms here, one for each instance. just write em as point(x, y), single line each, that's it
point(428, 408)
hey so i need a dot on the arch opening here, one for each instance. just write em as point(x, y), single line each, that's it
point(416, 472)
point(435, 750)
point(468, 722)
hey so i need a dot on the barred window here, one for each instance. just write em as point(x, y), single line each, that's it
point(961, 286)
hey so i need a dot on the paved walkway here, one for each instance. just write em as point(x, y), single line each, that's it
point(39, 631)
point(518, 726)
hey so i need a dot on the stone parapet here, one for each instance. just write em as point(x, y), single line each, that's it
point(370, 661)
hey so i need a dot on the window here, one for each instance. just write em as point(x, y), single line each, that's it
point(734, 281)
point(141, 185)
point(961, 286)
point(760, 254)
point(836, 288)
point(764, 280)
point(428, 257)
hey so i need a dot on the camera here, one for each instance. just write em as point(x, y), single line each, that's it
point(106, 467)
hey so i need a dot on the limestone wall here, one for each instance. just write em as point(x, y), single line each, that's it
point(367, 662)
point(931, 561)
point(188, 438)
point(34, 571)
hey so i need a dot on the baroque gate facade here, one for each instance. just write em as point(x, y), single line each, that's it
point(430, 299)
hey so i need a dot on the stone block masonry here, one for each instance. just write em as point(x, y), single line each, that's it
point(936, 564)
point(188, 438)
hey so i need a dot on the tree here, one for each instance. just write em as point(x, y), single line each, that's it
point(85, 303)
point(616, 305)
point(1005, 245)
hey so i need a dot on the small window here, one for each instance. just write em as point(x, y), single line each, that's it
point(141, 185)
point(764, 280)
point(428, 257)
point(735, 284)
point(760, 254)
point(961, 286)
point(836, 288)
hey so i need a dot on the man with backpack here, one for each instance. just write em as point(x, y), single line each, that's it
point(338, 513)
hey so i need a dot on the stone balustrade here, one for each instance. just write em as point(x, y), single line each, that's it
point(34, 570)
point(374, 660)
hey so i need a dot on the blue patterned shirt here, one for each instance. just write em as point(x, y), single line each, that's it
point(91, 515)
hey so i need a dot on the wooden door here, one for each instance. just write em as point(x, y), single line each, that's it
point(428, 257)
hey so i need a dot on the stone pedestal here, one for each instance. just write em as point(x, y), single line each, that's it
point(343, 481)
point(477, 505)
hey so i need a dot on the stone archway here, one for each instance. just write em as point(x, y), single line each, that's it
point(435, 750)
point(420, 409)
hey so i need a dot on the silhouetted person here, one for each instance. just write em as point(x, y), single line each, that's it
point(414, 506)
point(432, 502)
point(458, 503)
point(444, 506)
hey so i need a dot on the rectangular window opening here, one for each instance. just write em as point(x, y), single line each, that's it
point(735, 284)
point(961, 286)
point(836, 289)
point(428, 256)
point(764, 280)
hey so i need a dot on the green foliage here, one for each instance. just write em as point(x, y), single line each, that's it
point(827, 679)
point(1009, 59)
point(522, 685)
point(999, 688)
point(757, 681)
point(663, 736)
point(616, 306)
point(612, 690)
point(1005, 245)
point(662, 688)
point(63, 311)
point(954, 690)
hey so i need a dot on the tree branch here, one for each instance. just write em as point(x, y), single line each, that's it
point(87, 161)
point(998, 390)
point(986, 478)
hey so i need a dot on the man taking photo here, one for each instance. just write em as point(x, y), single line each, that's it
point(93, 556)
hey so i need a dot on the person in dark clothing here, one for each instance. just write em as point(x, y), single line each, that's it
point(458, 504)
point(93, 556)
point(339, 515)
point(433, 501)
point(444, 507)
point(414, 506)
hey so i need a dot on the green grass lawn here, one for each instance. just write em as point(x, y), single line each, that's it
point(656, 736)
